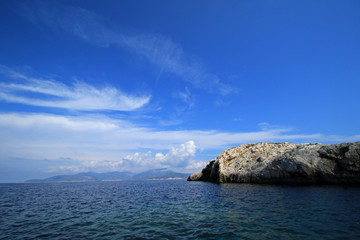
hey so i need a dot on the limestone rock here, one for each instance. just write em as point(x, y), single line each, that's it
point(285, 163)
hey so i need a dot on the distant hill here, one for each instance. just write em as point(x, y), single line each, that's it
point(160, 173)
point(153, 174)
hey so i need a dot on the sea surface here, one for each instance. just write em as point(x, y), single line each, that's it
point(177, 209)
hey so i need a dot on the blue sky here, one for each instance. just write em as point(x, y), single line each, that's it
point(135, 85)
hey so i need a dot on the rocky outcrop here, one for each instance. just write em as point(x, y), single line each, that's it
point(284, 163)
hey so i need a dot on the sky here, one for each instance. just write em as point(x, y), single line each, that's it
point(135, 85)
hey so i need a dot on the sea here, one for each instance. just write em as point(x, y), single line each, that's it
point(177, 209)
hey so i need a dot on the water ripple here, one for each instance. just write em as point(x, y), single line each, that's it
point(177, 210)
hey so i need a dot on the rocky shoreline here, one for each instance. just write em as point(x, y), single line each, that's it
point(284, 163)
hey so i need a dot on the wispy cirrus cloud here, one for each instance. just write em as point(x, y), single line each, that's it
point(171, 58)
point(157, 49)
point(51, 93)
point(186, 97)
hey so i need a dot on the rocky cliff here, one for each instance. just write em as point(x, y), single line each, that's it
point(285, 163)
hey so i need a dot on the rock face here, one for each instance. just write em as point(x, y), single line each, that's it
point(284, 163)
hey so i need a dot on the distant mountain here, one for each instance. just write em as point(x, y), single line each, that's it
point(161, 173)
point(87, 177)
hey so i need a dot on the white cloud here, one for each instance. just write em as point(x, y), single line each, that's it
point(84, 166)
point(175, 158)
point(97, 143)
point(98, 138)
point(78, 96)
point(196, 165)
point(159, 50)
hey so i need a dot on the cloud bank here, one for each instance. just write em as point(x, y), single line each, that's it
point(104, 143)
point(177, 157)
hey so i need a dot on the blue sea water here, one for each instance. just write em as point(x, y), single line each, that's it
point(177, 209)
